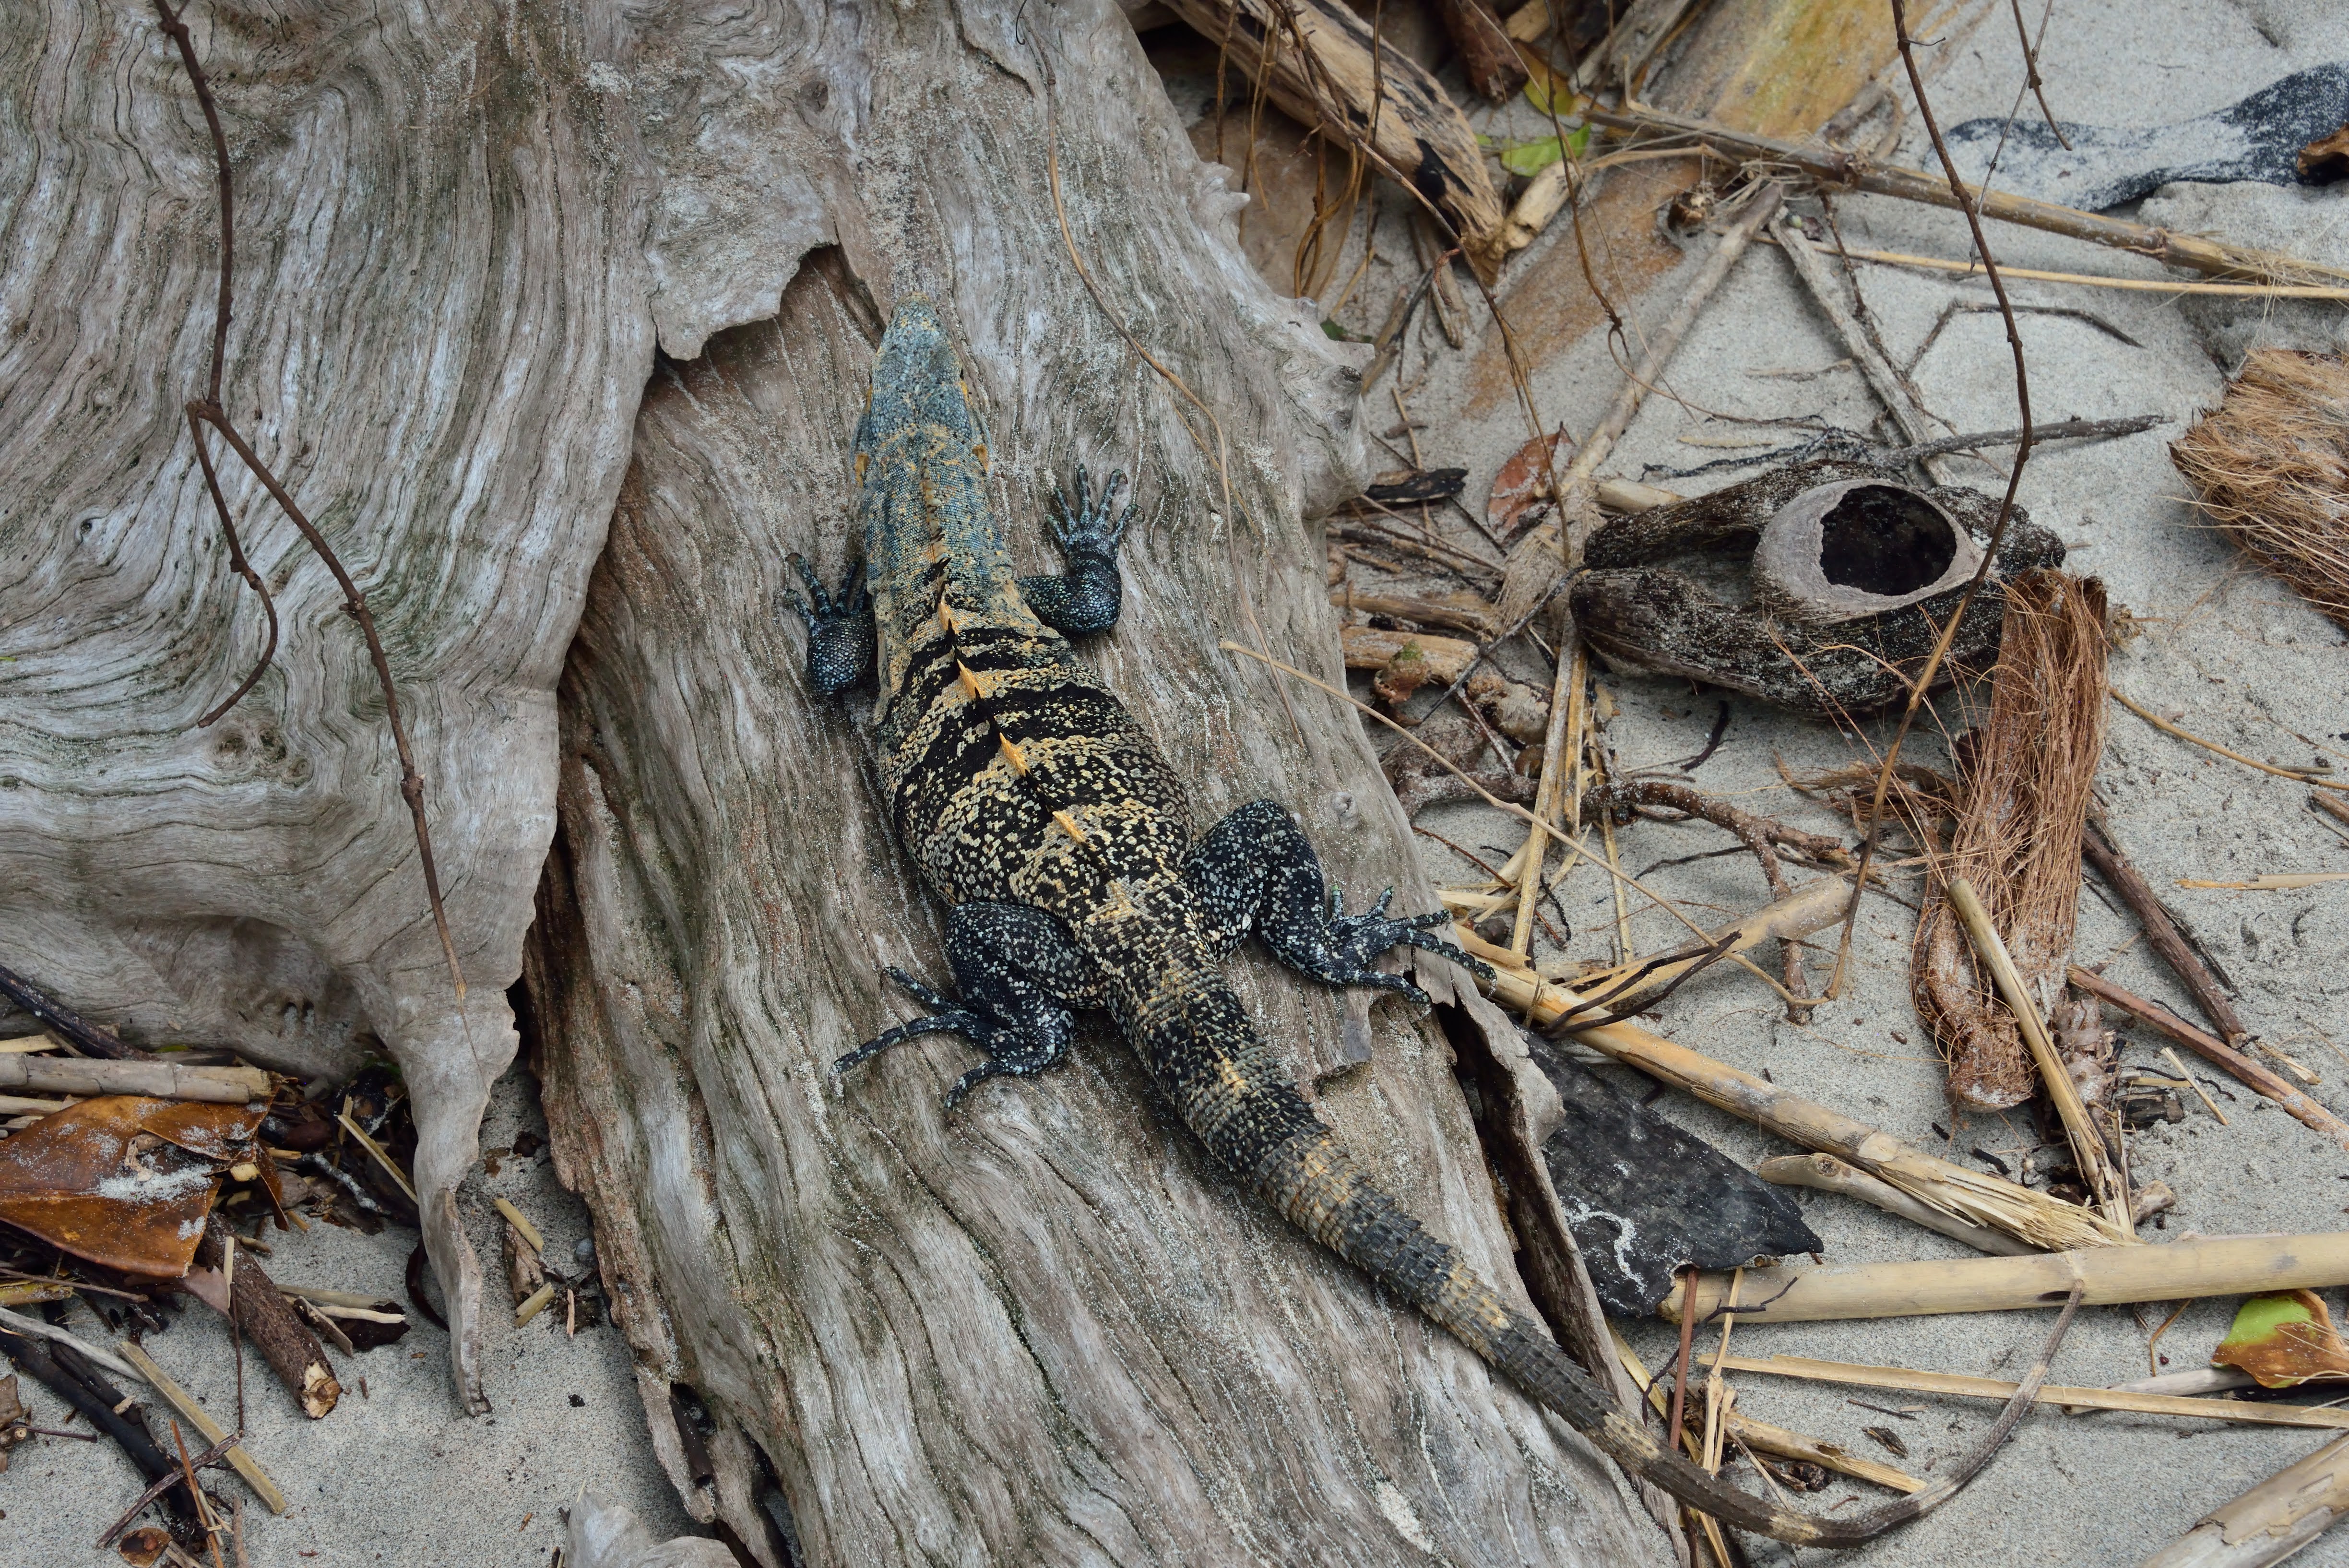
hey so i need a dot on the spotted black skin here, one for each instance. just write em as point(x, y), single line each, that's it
point(1036, 808)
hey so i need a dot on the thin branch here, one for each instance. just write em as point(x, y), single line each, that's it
point(2030, 65)
point(209, 410)
point(1964, 197)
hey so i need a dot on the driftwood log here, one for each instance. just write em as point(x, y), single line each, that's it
point(1045, 1328)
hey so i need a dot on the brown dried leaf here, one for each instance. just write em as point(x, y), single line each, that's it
point(2283, 1338)
point(124, 1180)
point(145, 1546)
point(1522, 485)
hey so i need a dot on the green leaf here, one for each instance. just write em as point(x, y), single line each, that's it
point(1530, 157)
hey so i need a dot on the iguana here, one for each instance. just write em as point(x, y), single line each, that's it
point(1037, 809)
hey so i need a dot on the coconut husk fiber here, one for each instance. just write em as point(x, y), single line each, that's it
point(2272, 463)
point(2023, 800)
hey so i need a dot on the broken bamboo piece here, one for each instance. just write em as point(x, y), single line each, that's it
point(2088, 1151)
point(1825, 1173)
point(2101, 850)
point(180, 1400)
point(1970, 1195)
point(1561, 766)
point(1813, 906)
point(2214, 259)
point(1906, 1380)
point(2271, 1520)
point(88, 1075)
point(2216, 1052)
point(1321, 64)
point(2206, 1266)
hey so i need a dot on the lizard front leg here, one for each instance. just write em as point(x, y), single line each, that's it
point(1020, 978)
point(841, 638)
point(1086, 596)
point(1256, 870)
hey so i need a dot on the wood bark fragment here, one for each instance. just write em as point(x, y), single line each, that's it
point(1486, 50)
point(1969, 1195)
point(2271, 1520)
point(269, 1321)
point(160, 1079)
point(2205, 1266)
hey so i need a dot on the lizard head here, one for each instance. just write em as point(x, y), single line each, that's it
point(918, 391)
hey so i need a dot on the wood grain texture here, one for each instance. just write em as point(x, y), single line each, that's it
point(440, 328)
point(1046, 1329)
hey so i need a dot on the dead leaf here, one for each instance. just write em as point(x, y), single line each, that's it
point(1523, 484)
point(124, 1180)
point(144, 1546)
point(2284, 1338)
point(1889, 1438)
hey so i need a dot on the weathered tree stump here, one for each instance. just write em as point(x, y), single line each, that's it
point(1045, 1328)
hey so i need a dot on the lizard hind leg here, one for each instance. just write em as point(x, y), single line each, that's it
point(1086, 596)
point(1019, 977)
point(1256, 870)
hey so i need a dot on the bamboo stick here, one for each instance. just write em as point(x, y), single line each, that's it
point(242, 1462)
point(1970, 1195)
point(1825, 1173)
point(2217, 258)
point(1902, 1379)
point(2271, 1520)
point(2206, 1266)
point(88, 1075)
point(2090, 280)
point(1764, 1437)
point(2217, 1052)
point(2088, 1151)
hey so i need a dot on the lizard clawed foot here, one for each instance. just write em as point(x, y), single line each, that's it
point(839, 628)
point(1091, 526)
point(1013, 1049)
point(1356, 941)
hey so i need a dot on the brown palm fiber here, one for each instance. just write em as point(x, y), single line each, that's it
point(2022, 800)
point(2273, 464)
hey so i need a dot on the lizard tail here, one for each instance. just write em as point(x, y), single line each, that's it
point(1312, 1179)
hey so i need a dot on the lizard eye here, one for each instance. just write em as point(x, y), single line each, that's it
point(980, 452)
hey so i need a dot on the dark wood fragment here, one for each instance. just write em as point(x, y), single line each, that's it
point(1485, 50)
point(284, 1341)
point(2097, 846)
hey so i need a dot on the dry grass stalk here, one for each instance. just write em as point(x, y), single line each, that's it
point(2273, 465)
point(2023, 806)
